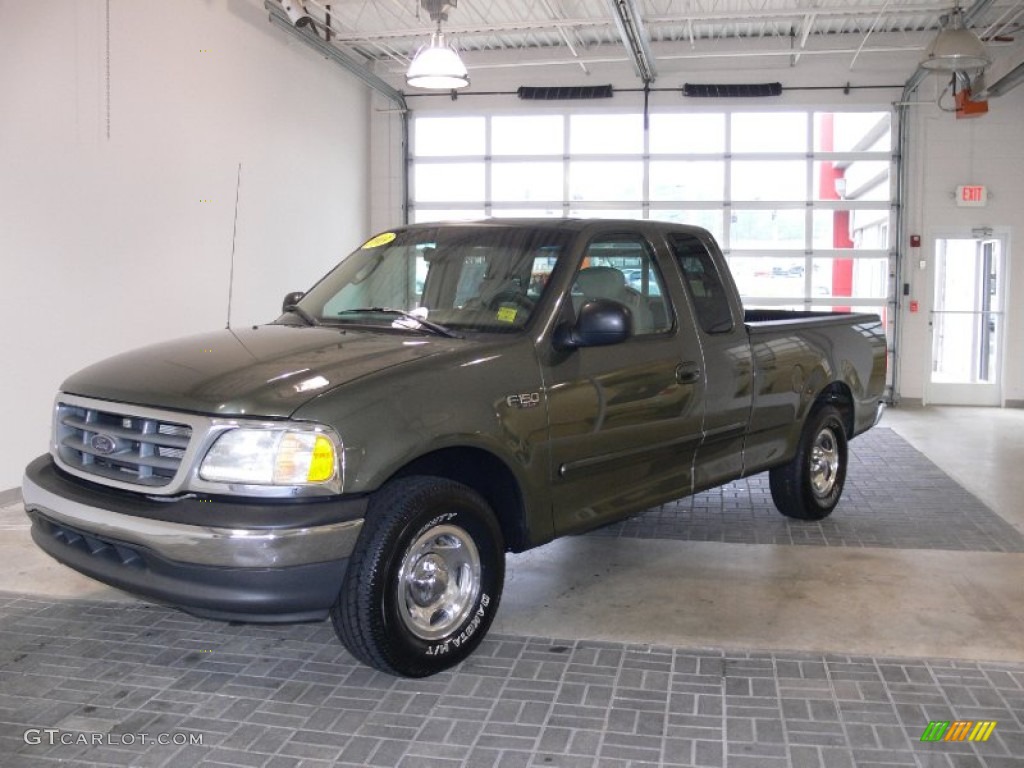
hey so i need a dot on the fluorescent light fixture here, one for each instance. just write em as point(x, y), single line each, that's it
point(956, 49)
point(437, 66)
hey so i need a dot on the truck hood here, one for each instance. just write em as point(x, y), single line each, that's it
point(268, 370)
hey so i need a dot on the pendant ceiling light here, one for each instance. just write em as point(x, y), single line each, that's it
point(956, 49)
point(437, 66)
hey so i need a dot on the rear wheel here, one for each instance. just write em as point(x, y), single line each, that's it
point(424, 581)
point(809, 486)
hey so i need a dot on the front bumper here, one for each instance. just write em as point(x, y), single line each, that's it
point(270, 562)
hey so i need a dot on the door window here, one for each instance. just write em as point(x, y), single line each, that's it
point(967, 322)
point(966, 311)
point(622, 268)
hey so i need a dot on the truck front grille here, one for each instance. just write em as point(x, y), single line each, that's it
point(118, 446)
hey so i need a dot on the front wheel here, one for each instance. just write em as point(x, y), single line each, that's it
point(809, 486)
point(424, 581)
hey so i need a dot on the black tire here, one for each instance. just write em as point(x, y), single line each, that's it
point(424, 581)
point(809, 486)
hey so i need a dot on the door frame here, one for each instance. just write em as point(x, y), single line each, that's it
point(967, 394)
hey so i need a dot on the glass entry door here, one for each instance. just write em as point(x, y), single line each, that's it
point(967, 322)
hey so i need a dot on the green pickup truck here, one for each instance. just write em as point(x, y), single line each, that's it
point(446, 394)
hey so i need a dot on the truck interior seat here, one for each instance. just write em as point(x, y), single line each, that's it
point(610, 283)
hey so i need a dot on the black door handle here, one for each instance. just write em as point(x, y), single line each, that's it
point(687, 373)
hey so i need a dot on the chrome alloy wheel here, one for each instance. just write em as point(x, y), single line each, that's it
point(438, 582)
point(824, 463)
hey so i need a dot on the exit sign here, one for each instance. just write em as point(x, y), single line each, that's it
point(971, 196)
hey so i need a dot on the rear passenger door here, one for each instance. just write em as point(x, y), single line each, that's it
point(625, 419)
point(726, 359)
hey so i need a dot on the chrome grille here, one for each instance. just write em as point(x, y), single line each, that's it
point(127, 448)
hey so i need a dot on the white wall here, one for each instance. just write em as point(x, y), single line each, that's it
point(946, 152)
point(108, 243)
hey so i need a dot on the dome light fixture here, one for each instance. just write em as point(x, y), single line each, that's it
point(956, 49)
point(437, 66)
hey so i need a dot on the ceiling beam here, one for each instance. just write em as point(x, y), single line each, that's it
point(773, 48)
point(970, 15)
point(279, 18)
point(1006, 83)
point(863, 42)
point(634, 37)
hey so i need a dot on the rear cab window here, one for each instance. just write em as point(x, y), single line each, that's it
point(703, 282)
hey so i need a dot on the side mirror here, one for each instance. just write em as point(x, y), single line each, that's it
point(601, 322)
point(290, 300)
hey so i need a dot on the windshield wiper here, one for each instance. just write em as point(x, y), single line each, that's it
point(422, 322)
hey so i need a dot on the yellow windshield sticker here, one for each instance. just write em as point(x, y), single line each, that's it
point(379, 240)
point(507, 315)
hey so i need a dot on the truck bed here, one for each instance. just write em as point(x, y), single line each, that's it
point(764, 320)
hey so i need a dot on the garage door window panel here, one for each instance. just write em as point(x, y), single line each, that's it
point(450, 136)
point(769, 132)
point(769, 180)
point(852, 132)
point(527, 135)
point(621, 134)
point(449, 182)
point(618, 180)
point(526, 181)
point(702, 181)
point(681, 134)
point(768, 229)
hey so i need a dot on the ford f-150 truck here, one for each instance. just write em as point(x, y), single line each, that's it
point(447, 394)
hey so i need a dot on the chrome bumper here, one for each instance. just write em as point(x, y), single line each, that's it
point(199, 545)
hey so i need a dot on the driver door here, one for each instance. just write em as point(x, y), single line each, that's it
point(625, 419)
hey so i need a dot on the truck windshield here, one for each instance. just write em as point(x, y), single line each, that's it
point(458, 278)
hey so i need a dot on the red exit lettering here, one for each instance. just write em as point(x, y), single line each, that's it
point(972, 195)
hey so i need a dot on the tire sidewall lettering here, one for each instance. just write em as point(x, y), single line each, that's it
point(442, 519)
point(478, 620)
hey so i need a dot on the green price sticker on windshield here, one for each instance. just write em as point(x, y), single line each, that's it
point(507, 314)
point(379, 240)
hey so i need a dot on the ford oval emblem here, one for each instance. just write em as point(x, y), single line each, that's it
point(103, 444)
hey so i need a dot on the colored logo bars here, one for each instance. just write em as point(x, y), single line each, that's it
point(958, 730)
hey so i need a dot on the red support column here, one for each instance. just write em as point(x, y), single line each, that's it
point(842, 269)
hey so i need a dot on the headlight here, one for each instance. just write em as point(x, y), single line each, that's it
point(271, 457)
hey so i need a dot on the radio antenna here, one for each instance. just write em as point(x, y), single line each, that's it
point(234, 231)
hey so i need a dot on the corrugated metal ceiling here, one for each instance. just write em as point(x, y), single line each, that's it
point(394, 29)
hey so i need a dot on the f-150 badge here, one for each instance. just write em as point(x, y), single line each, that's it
point(523, 400)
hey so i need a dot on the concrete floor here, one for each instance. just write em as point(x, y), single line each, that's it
point(967, 605)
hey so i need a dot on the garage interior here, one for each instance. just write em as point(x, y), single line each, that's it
point(172, 167)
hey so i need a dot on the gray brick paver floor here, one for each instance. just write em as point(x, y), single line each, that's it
point(894, 498)
point(293, 697)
